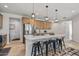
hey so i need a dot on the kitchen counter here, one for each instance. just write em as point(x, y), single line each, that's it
point(30, 39)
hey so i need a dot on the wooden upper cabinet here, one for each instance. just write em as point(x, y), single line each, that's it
point(48, 25)
point(32, 22)
point(41, 25)
point(28, 21)
point(1, 21)
point(25, 20)
point(44, 26)
point(37, 23)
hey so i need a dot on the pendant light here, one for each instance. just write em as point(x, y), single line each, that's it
point(33, 14)
point(46, 18)
point(56, 18)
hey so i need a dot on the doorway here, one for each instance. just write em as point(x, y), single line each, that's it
point(64, 27)
point(68, 29)
point(14, 29)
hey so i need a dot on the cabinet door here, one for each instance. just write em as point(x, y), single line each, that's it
point(1, 21)
point(44, 25)
point(37, 24)
point(25, 20)
point(32, 21)
point(48, 25)
point(41, 25)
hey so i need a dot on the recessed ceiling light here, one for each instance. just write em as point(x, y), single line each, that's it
point(73, 11)
point(56, 20)
point(26, 9)
point(5, 6)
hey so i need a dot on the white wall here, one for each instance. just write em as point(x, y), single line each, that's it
point(57, 28)
point(61, 28)
point(75, 28)
point(5, 28)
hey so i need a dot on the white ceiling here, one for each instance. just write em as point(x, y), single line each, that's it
point(64, 9)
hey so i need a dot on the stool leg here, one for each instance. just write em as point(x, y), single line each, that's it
point(59, 47)
point(34, 51)
point(50, 46)
point(57, 44)
point(64, 43)
point(46, 49)
point(38, 50)
point(43, 47)
point(41, 50)
point(54, 46)
point(60, 43)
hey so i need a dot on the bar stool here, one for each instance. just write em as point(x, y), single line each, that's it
point(49, 46)
point(36, 48)
point(61, 43)
point(54, 44)
point(46, 46)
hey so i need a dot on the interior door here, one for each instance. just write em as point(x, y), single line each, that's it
point(14, 29)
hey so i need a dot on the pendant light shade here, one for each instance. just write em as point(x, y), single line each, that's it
point(56, 18)
point(33, 15)
point(46, 18)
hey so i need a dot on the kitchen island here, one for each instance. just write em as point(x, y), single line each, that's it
point(30, 39)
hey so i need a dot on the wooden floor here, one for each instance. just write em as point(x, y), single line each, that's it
point(18, 48)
